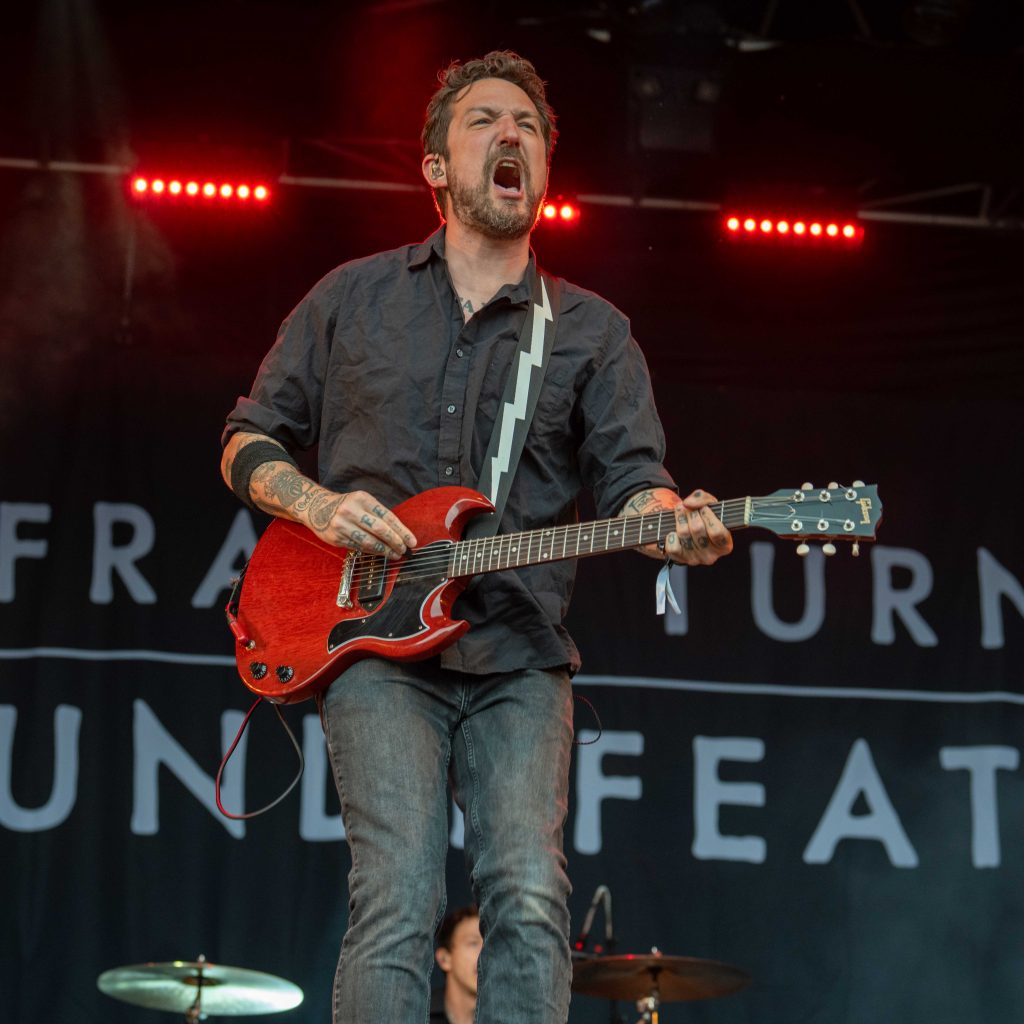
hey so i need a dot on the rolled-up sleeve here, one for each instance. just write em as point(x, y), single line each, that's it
point(623, 447)
point(287, 396)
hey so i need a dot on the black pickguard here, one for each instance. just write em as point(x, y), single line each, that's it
point(397, 618)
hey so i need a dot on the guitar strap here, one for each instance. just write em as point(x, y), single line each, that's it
point(519, 401)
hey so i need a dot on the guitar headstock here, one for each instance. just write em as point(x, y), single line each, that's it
point(835, 512)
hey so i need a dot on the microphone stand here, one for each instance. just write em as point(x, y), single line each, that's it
point(602, 897)
point(614, 1017)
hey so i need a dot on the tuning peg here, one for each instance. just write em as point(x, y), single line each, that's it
point(856, 549)
point(803, 549)
point(858, 483)
point(807, 487)
point(829, 548)
point(833, 486)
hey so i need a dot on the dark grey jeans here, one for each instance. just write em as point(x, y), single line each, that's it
point(396, 735)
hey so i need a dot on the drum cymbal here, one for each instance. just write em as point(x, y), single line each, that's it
point(677, 978)
point(223, 991)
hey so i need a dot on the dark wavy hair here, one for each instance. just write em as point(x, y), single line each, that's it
point(456, 77)
point(451, 922)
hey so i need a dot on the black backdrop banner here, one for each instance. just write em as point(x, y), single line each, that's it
point(812, 771)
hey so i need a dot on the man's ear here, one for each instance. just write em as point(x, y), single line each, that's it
point(433, 170)
point(444, 959)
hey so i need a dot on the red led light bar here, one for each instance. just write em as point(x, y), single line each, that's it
point(789, 229)
point(560, 211)
point(225, 192)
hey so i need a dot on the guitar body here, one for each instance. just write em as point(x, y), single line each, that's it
point(297, 631)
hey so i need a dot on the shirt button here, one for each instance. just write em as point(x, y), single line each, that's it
point(451, 408)
point(448, 470)
point(458, 352)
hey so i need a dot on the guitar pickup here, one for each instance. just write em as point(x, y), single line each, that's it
point(371, 586)
point(345, 590)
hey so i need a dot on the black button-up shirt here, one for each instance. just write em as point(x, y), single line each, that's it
point(378, 367)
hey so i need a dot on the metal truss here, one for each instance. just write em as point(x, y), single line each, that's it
point(973, 204)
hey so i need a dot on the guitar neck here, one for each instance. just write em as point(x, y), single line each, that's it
point(556, 543)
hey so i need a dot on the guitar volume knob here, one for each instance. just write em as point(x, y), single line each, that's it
point(257, 670)
point(284, 673)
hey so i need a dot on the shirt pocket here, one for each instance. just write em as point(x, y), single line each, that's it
point(556, 407)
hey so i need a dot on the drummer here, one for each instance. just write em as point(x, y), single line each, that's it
point(458, 949)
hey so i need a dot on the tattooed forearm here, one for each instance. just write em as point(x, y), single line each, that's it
point(277, 485)
point(279, 489)
point(286, 491)
point(290, 488)
point(640, 503)
point(653, 499)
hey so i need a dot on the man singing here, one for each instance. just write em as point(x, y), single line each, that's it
point(395, 365)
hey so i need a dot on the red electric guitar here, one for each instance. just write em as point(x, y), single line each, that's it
point(303, 610)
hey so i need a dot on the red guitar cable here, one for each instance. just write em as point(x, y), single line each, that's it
point(231, 750)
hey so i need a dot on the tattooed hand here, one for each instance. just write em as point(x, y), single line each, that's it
point(699, 537)
point(358, 520)
point(352, 520)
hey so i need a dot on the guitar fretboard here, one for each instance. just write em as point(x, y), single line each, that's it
point(556, 543)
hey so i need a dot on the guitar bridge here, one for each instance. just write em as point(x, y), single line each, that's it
point(345, 590)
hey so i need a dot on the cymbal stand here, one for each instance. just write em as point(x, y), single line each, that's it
point(195, 1012)
point(650, 1006)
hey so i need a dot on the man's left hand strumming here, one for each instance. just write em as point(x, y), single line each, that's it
point(700, 538)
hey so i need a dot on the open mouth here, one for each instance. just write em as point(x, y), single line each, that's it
point(508, 178)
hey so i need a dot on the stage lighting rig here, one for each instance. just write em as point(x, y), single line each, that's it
point(792, 229)
point(197, 190)
point(560, 211)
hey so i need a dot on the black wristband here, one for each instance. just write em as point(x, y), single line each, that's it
point(248, 459)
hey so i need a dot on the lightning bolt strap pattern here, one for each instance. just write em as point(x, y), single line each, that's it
point(516, 409)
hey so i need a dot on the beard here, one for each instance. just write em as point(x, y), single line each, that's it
point(477, 207)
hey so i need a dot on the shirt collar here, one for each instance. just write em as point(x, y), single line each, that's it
point(430, 246)
point(433, 247)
